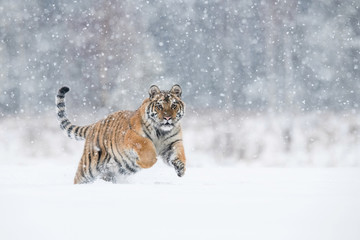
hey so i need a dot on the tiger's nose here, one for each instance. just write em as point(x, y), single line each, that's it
point(167, 118)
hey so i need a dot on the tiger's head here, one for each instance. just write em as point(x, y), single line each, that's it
point(166, 107)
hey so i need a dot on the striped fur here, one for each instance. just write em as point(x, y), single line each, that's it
point(127, 141)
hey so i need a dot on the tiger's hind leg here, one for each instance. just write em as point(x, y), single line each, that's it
point(86, 172)
point(109, 177)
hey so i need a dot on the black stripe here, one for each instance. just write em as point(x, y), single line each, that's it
point(99, 153)
point(65, 123)
point(60, 105)
point(103, 155)
point(102, 163)
point(64, 90)
point(81, 133)
point(106, 125)
point(90, 171)
point(70, 129)
point(171, 145)
point(147, 126)
point(133, 164)
point(127, 156)
point(121, 169)
point(82, 172)
point(107, 158)
point(147, 135)
point(117, 161)
point(60, 96)
point(177, 140)
point(114, 147)
point(76, 131)
point(166, 153)
point(131, 161)
point(61, 114)
point(128, 167)
point(173, 135)
point(112, 152)
point(172, 162)
point(146, 130)
point(97, 139)
point(98, 161)
point(148, 110)
point(158, 133)
point(85, 131)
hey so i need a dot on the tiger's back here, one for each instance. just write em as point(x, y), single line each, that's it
point(127, 141)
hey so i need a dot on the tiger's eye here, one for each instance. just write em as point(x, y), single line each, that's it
point(173, 106)
point(159, 107)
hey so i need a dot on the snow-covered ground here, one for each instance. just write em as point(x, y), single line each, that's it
point(214, 200)
point(39, 201)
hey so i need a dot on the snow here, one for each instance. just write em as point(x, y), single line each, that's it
point(216, 199)
point(39, 201)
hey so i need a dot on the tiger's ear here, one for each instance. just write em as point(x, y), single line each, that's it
point(176, 89)
point(153, 91)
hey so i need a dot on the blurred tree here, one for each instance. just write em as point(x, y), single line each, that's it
point(256, 55)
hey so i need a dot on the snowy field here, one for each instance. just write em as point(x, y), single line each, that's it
point(214, 200)
point(39, 201)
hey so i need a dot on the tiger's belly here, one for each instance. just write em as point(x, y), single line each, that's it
point(125, 165)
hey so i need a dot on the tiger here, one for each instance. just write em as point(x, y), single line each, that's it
point(125, 142)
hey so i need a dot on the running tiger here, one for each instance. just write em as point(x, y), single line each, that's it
point(127, 141)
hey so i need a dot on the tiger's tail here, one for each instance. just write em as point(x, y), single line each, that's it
point(72, 131)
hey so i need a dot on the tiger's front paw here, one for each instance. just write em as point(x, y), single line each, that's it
point(179, 167)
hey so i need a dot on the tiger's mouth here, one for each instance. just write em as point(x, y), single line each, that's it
point(166, 126)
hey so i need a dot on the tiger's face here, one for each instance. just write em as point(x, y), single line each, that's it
point(166, 107)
